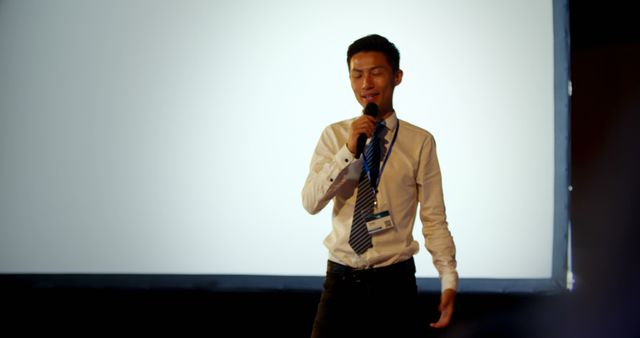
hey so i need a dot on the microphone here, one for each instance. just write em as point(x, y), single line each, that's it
point(370, 109)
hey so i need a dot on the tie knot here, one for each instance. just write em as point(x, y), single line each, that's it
point(379, 128)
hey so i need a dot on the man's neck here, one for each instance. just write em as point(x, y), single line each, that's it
point(386, 115)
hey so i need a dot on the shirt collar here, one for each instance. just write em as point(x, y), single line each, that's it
point(391, 121)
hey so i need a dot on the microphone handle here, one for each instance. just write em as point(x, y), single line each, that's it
point(362, 140)
point(370, 109)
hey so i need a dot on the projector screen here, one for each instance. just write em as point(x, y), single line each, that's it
point(174, 137)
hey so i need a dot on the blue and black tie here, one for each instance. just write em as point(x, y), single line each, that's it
point(360, 239)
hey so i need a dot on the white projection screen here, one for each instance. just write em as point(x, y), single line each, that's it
point(173, 138)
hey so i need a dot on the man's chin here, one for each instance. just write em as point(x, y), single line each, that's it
point(365, 102)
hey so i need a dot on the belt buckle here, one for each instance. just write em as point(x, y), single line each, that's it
point(362, 272)
point(364, 268)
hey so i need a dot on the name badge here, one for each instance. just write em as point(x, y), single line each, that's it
point(378, 222)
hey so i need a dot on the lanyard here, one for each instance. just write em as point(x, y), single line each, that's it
point(374, 185)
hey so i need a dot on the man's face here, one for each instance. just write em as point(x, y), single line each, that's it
point(372, 80)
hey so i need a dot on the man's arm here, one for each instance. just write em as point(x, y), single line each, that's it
point(331, 160)
point(435, 229)
point(326, 173)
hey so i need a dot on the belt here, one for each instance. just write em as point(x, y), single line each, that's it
point(407, 266)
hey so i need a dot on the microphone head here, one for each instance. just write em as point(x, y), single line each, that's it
point(371, 109)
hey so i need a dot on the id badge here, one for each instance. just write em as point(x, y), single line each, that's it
point(378, 222)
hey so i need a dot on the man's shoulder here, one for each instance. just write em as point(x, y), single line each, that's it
point(414, 131)
point(340, 125)
point(345, 122)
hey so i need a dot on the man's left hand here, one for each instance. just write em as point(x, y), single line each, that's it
point(446, 308)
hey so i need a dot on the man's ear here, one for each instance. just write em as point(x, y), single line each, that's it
point(397, 78)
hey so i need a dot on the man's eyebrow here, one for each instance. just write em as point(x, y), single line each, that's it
point(370, 68)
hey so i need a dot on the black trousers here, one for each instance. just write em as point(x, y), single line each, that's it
point(377, 302)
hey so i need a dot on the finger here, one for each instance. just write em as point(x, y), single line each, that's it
point(363, 125)
point(366, 119)
point(363, 129)
point(446, 311)
point(443, 321)
point(370, 118)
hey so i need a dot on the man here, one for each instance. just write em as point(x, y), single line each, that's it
point(370, 286)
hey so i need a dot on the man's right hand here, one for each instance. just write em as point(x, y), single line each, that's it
point(364, 124)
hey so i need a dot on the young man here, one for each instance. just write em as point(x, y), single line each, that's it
point(370, 286)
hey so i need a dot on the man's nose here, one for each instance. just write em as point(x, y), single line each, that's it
point(367, 82)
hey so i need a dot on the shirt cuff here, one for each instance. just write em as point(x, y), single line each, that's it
point(344, 157)
point(449, 281)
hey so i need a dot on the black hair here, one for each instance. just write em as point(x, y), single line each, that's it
point(376, 43)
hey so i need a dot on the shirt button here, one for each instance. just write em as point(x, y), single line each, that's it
point(331, 179)
point(346, 160)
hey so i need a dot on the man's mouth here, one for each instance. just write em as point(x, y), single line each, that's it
point(370, 97)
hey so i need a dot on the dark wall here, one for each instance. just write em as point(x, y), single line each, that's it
point(605, 116)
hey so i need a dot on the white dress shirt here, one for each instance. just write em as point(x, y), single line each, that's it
point(410, 177)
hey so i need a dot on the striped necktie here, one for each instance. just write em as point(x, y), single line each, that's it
point(360, 239)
